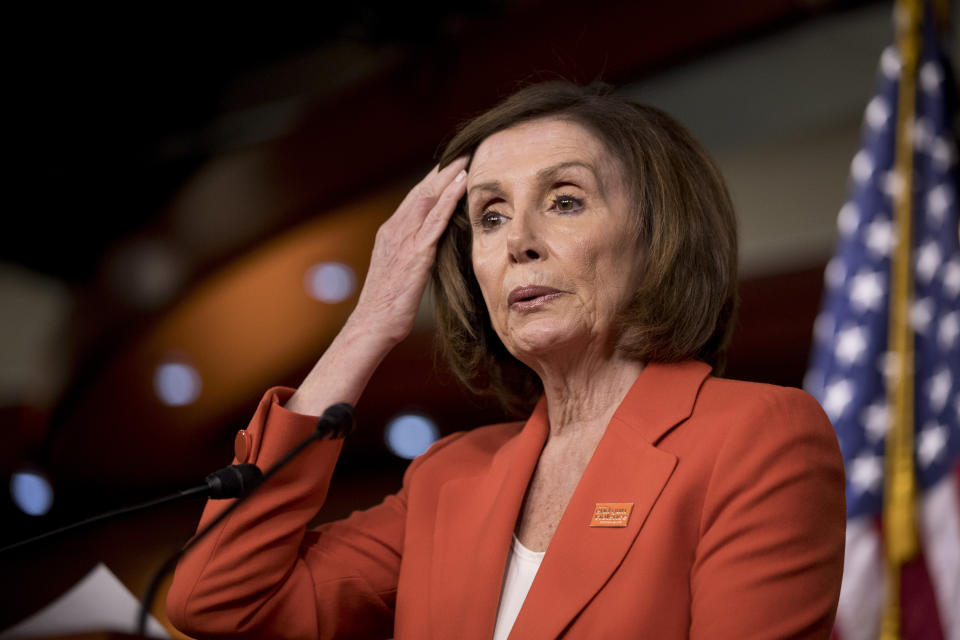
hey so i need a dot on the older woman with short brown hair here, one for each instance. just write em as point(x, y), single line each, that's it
point(682, 216)
point(583, 252)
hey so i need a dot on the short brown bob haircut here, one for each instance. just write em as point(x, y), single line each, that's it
point(685, 306)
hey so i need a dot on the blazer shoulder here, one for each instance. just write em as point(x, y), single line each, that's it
point(733, 413)
point(761, 401)
point(467, 450)
point(739, 388)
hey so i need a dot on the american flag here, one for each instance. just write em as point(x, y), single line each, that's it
point(850, 365)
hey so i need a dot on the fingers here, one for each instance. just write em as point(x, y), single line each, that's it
point(431, 187)
point(439, 215)
point(438, 179)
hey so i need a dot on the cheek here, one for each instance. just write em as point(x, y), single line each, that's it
point(607, 267)
point(594, 258)
point(480, 266)
point(484, 272)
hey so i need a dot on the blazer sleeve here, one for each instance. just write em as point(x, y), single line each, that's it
point(770, 556)
point(262, 574)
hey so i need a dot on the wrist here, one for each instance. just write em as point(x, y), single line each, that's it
point(371, 333)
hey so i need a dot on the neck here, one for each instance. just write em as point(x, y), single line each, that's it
point(583, 393)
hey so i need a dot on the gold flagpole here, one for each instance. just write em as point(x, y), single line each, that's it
point(900, 485)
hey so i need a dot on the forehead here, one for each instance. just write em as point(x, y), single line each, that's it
point(525, 148)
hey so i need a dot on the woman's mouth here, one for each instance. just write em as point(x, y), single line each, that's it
point(531, 297)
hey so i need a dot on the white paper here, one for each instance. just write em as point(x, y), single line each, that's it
point(98, 603)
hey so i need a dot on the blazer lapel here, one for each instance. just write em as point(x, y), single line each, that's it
point(476, 517)
point(626, 467)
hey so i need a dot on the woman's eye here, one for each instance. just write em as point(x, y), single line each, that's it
point(489, 219)
point(567, 204)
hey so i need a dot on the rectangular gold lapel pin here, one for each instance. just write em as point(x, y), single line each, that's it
point(611, 514)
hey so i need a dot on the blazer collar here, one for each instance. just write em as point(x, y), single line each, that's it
point(662, 397)
point(476, 515)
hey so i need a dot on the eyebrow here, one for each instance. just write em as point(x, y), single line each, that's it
point(544, 175)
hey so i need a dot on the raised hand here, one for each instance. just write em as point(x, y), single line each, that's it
point(404, 251)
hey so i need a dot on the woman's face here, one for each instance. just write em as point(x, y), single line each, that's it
point(554, 250)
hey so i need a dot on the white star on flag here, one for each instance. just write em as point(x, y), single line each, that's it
point(933, 440)
point(890, 63)
point(928, 261)
point(866, 291)
point(930, 77)
point(938, 389)
point(823, 326)
point(879, 238)
point(892, 183)
point(921, 314)
point(861, 168)
point(866, 472)
point(848, 219)
point(944, 152)
point(837, 396)
point(951, 278)
point(939, 200)
point(923, 135)
point(877, 113)
point(835, 273)
point(851, 344)
point(875, 421)
point(949, 330)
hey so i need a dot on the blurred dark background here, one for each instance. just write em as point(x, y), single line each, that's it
point(199, 194)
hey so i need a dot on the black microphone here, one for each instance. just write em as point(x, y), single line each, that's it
point(336, 422)
point(233, 481)
point(230, 482)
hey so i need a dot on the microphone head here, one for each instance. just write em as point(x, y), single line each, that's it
point(336, 422)
point(234, 481)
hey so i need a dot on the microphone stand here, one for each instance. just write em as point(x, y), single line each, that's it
point(335, 422)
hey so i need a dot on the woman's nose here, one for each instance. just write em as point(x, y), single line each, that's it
point(524, 242)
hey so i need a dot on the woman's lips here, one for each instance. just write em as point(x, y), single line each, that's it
point(530, 297)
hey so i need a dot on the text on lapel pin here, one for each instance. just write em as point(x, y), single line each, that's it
point(611, 514)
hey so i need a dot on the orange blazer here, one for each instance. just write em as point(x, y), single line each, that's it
point(737, 529)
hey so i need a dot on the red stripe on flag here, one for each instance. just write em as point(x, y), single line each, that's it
point(918, 606)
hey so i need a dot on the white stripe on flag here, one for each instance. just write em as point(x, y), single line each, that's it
point(940, 534)
point(861, 594)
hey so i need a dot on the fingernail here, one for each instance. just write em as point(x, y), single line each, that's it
point(460, 176)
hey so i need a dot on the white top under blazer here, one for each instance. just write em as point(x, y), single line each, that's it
point(522, 566)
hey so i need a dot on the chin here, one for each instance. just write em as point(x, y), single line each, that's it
point(533, 343)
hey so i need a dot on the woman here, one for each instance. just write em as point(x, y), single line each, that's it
point(592, 265)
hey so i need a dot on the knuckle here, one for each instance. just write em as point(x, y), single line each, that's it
point(426, 200)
